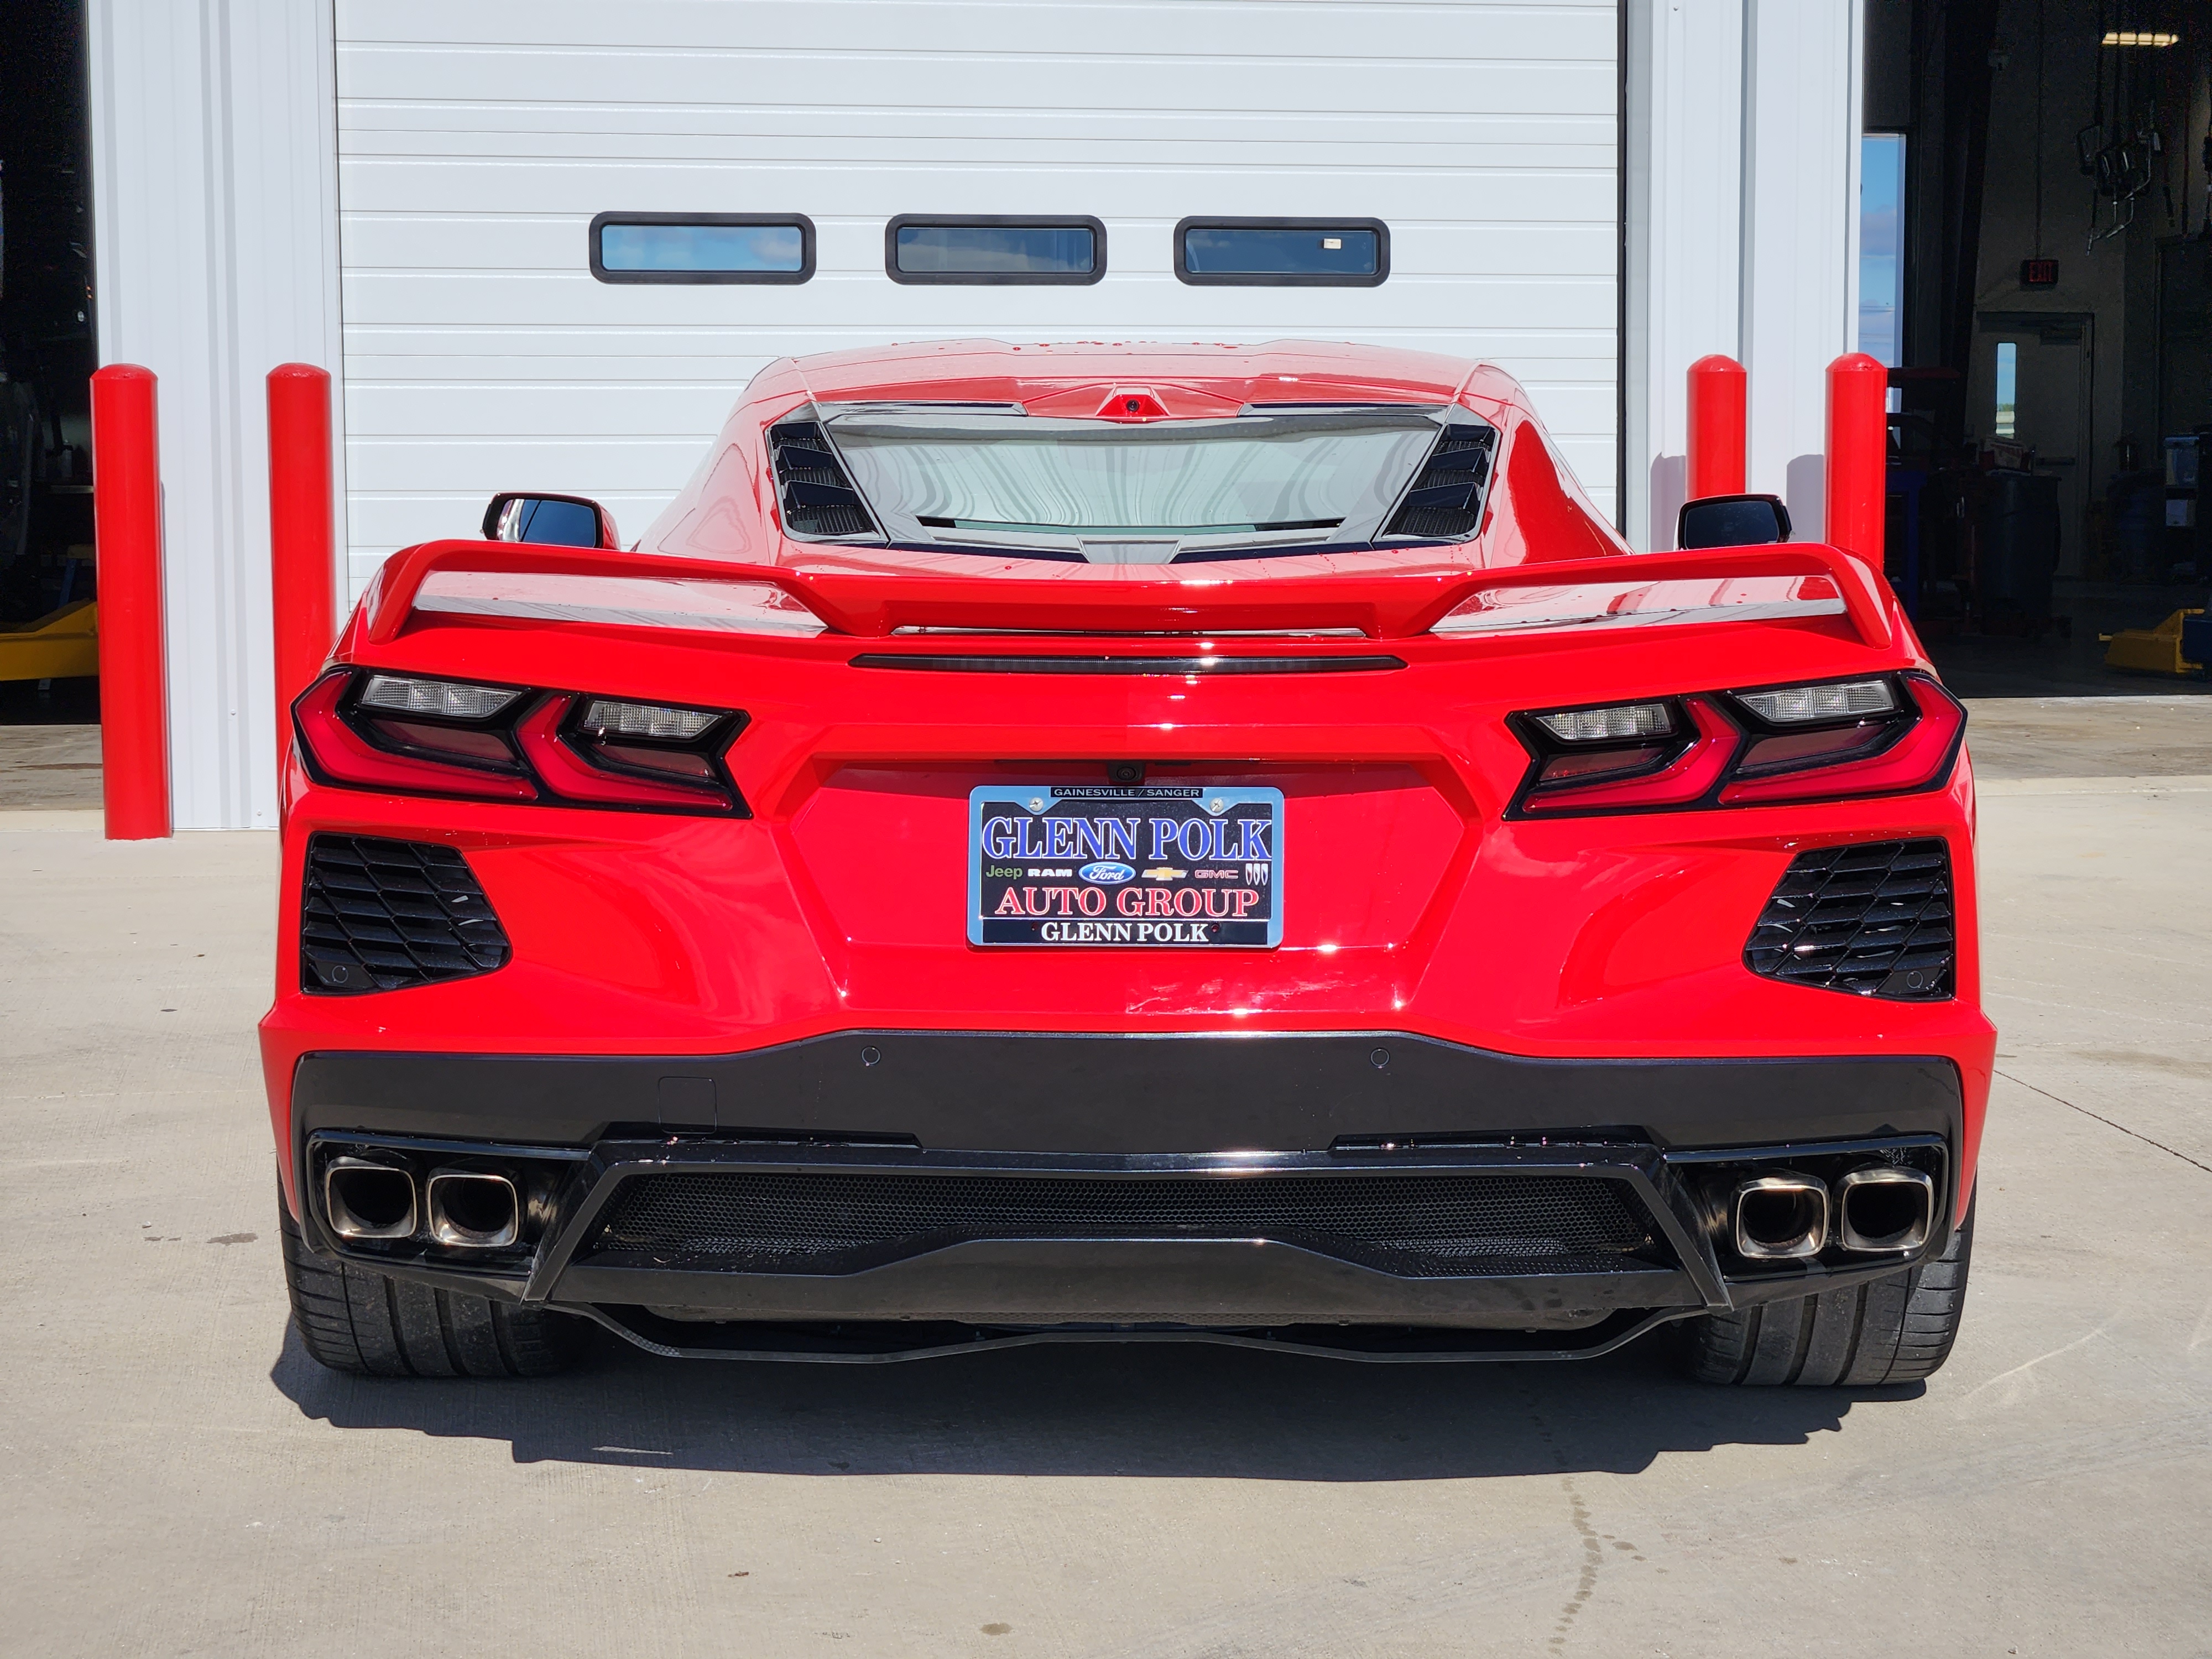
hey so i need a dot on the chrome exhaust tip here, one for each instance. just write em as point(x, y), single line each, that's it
point(474, 1209)
point(1884, 1207)
point(364, 1200)
point(1779, 1217)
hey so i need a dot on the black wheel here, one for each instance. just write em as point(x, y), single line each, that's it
point(354, 1319)
point(1897, 1330)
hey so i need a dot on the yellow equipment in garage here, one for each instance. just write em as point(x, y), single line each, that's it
point(2161, 650)
point(61, 645)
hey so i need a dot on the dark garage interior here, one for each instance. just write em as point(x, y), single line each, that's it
point(47, 351)
point(2036, 270)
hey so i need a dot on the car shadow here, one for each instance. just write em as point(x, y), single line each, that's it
point(1159, 1410)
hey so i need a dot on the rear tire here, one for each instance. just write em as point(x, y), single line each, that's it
point(1897, 1330)
point(354, 1319)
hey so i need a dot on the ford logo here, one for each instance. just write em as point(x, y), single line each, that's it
point(1107, 872)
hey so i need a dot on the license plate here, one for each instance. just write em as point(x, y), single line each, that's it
point(1147, 865)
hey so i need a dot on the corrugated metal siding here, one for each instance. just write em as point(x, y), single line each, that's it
point(477, 141)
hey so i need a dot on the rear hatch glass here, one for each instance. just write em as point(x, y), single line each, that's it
point(1114, 493)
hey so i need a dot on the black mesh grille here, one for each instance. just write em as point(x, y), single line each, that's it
point(379, 915)
point(1446, 503)
point(817, 498)
point(1426, 1226)
point(1874, 919)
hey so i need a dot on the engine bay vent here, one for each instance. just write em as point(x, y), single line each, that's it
point(816, 497)
point(1446, 503)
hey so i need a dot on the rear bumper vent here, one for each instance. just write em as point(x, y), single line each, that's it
point(1874, 919)
point(381, 916)
point(834, 1222)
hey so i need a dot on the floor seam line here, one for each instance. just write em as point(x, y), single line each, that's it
point(2101, 1118)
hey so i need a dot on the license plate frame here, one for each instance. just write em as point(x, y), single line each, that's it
point(1087, 904)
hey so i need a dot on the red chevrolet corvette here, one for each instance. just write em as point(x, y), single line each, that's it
point(1128, 843)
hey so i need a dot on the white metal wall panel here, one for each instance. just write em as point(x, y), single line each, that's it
point(1743, 140)
point(215, 196)
point(478, 138)
point(1684, 149)
point(1800, 233)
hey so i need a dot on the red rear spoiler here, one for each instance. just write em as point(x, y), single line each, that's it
point(1123, 598)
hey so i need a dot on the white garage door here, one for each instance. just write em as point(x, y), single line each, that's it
point(479, 139)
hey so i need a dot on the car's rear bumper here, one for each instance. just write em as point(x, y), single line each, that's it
point(1129, 1183)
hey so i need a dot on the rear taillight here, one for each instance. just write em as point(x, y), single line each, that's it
point(1878, 735)
point(345, 744)
point(410, 735)
point(1910, 748)
point(1607, 775)
point(578, 761)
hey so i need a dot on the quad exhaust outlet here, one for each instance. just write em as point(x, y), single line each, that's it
point(474, 1209)
point(368, 1201)
point(1877, 1209)
point(364, 1200)
point(1883, 1208)
point(1779, 1217)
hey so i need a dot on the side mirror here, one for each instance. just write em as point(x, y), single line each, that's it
point(554, 521)
point(1731, 521)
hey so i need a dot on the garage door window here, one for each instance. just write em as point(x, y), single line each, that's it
point(918, 248)
point(1283, 252)
point(702, 247)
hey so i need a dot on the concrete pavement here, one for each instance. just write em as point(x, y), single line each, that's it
point(49, 766)
point(180, 1478)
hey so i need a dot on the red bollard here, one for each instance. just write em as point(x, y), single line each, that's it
point(302, 538)
point(1717, 391)
point(1858, 454)
point(127, 515)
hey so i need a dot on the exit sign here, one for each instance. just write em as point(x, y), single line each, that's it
point(2038, 273)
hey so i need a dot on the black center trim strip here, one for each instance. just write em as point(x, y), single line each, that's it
point(1164, 666)
point(1021, 1092)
